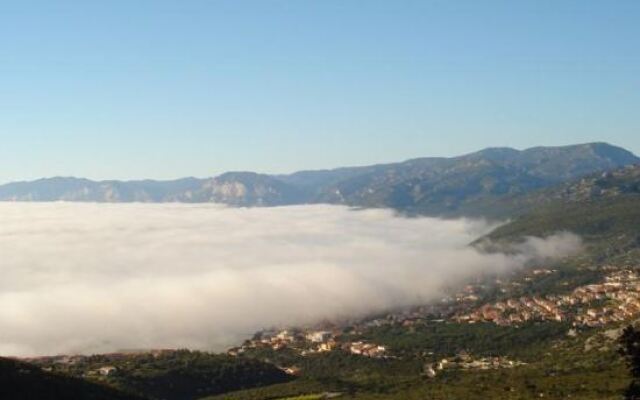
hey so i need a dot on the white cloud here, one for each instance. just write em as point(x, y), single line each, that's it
point(101, 277)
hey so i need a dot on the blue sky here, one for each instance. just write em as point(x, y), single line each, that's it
point(164, 89)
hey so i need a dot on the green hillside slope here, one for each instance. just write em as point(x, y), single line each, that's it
point(603, 209)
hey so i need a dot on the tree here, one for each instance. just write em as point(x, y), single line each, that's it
point(630, 350)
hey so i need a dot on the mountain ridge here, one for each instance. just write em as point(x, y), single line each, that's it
point(439, 186)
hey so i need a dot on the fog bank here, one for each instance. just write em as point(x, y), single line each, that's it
point(85, 278)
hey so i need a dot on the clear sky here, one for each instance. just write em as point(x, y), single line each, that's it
point(164, 89)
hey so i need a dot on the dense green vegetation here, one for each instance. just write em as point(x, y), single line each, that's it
point(596, 219)
point(189, 375)
point(442, 339)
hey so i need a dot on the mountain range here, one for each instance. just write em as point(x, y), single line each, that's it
point(471, 184)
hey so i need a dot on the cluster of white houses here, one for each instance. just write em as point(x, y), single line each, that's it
point(367, 349)
point(465, 361)
point(307, 343)
point(514, 311)
point(615, 300)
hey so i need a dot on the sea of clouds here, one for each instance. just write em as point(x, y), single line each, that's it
point(87, 278)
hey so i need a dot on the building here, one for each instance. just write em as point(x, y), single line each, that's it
point(107, 370)
point(319, 336)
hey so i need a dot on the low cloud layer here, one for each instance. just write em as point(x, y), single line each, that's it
point(83, 278)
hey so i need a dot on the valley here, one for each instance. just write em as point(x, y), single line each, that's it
point(548, 329)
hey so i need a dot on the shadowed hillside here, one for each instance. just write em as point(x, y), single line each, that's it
point(21, 381)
